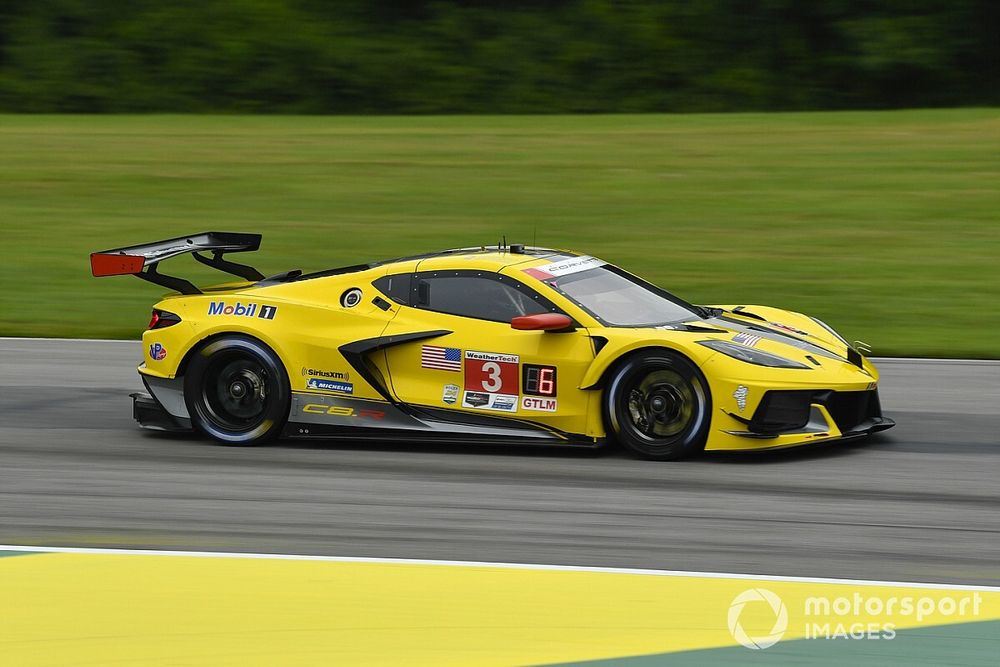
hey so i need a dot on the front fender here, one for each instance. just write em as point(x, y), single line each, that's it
point(616, 348)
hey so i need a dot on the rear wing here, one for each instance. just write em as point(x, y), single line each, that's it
point(141, 260)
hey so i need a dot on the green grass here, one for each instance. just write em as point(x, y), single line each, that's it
point(886, 224)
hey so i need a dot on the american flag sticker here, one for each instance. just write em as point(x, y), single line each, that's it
point(441, 358)
point(746, 339)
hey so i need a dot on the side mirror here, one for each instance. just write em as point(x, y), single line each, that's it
point(542, 322)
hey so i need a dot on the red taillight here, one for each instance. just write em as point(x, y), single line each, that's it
point(162, 319)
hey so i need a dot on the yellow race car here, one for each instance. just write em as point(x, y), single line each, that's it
point(502, 344)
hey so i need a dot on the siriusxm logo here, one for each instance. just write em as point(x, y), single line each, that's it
point(316, 372)
point(330, 385)
point(238, 309)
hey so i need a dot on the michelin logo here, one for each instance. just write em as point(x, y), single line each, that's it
point(330, 385)
point(238, 309)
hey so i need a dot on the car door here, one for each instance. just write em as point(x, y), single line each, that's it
point(472, 361)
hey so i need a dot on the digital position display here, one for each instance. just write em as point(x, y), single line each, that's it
point(539, 380)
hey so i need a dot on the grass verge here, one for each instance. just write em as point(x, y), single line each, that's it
point(885, 224)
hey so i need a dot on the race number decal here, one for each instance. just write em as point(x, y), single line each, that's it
point(491, 373)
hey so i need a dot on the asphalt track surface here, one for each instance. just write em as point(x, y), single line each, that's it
point(917, 503)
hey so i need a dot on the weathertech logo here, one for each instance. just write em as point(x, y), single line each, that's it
point(489, 356)
point(754, 596)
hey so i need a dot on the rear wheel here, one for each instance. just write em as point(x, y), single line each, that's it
point(657, 404)
point(237, 391)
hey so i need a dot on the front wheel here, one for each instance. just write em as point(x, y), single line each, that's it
point(237, 391)
point(657, 405)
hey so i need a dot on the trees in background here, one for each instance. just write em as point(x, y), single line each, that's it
point(513, 56)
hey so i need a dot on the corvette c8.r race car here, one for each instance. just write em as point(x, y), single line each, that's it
point(504, 344)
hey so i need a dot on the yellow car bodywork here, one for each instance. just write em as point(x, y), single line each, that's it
point(309, 324)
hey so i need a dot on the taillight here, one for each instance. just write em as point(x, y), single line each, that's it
point(162, 319)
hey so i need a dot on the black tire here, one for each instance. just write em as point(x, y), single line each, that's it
point(657, 404)
point(237, 391)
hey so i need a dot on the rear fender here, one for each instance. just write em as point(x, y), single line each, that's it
point(207, 335)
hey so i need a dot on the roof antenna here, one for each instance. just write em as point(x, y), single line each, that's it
point(503, 243)
point(534, 236)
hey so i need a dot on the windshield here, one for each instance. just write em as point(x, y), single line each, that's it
point(618, 299)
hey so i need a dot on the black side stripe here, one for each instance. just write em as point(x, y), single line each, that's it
point(357, 353)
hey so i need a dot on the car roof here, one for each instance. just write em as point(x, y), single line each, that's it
point(489, 258)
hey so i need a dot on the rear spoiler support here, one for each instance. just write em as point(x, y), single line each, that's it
point(170, 282)
point(217, 262)
point(141, 260)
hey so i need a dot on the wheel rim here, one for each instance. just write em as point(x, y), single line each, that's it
point(660, 405)
point(235, 392)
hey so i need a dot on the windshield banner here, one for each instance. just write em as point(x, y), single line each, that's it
point(565, 267)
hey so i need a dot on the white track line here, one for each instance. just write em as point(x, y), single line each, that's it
point(505, 566)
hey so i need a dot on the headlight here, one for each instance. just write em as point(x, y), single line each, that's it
point(830, 329)
point(750, 355)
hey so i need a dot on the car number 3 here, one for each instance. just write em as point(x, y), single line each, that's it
point(493, 381)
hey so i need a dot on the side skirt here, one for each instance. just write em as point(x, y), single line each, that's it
point(324, 416)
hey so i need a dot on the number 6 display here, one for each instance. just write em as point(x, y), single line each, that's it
point(538, 380)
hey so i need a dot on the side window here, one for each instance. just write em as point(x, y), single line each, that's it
point(484, 296)
point(395, 287)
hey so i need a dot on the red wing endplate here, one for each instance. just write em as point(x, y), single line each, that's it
point(141, 260)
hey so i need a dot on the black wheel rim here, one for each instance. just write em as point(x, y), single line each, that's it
point(235, 391)
point(660, 405)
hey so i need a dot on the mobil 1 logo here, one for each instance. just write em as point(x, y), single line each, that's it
point(242, 310)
